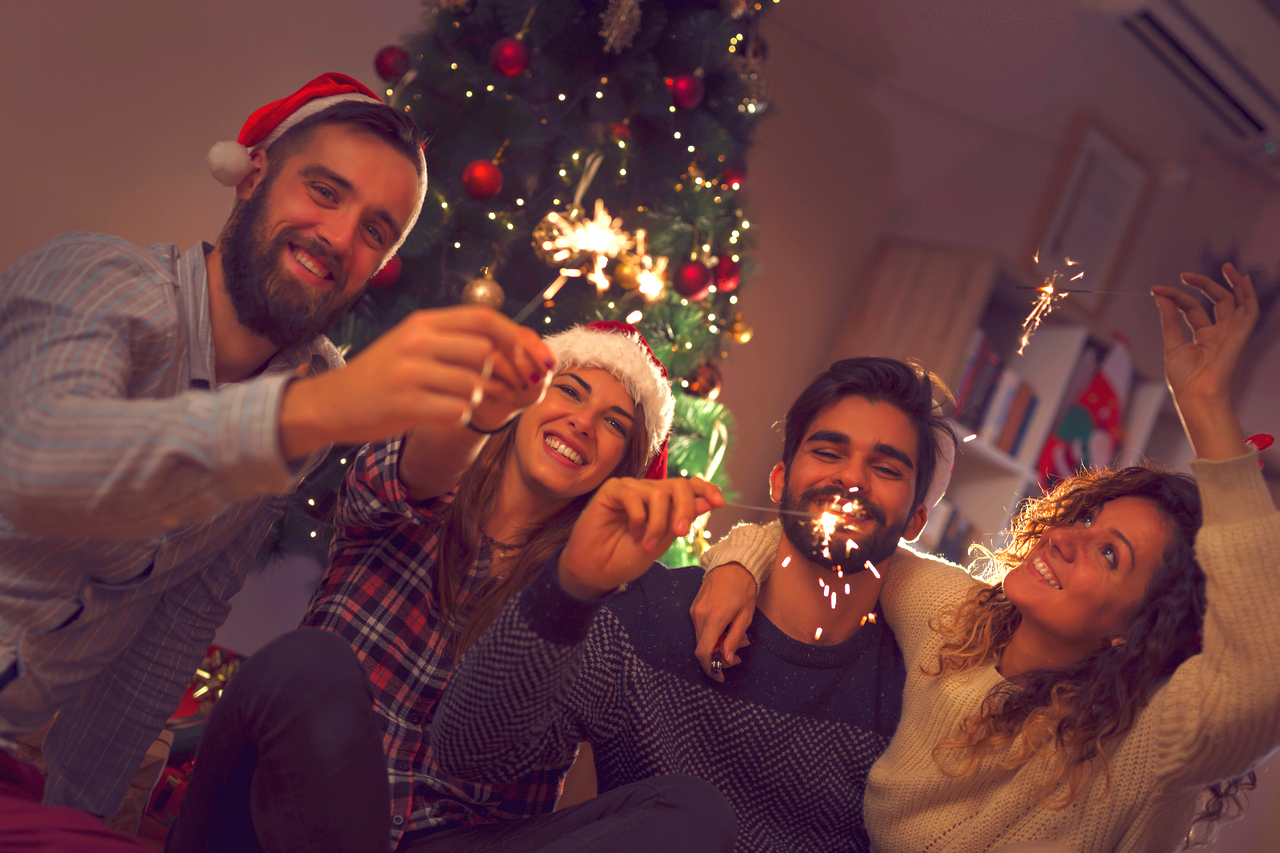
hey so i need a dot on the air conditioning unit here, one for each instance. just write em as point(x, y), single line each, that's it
point(1223, 54)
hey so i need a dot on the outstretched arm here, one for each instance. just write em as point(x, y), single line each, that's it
point(735, 568)
point(536, 683)
point(1220, 712)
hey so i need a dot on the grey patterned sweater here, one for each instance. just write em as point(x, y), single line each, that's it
point(788, 738)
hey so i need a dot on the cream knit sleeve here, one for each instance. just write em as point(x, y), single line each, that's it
point(752, 545)
point(1219, 713)
point(916, 588)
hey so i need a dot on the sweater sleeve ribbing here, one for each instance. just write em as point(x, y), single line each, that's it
point(1220, 712)
point(754, 546)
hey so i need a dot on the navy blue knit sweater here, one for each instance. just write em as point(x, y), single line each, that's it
point(789, 737)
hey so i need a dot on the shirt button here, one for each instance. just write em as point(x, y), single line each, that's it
point(415, 717)
point(398, 820)
point(403, 765)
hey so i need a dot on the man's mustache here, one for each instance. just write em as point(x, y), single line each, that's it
point(825, 494)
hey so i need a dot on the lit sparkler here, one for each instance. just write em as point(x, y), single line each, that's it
point(871, 568)
point(817, 635)
point(1049, 297)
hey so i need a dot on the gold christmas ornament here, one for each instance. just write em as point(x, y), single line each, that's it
point(484, 291)
point(740, 332)
point(620, 23)
point(627, 273)
point(548, 231)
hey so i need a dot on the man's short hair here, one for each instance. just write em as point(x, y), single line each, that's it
point(908, 387)
point(385, 122)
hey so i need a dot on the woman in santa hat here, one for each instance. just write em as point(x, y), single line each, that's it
point(436, 530)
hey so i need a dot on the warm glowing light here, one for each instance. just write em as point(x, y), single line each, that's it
point(871, 568)
point(635, 317)
point(970, 437)
point(817, 634)
point(786, 561)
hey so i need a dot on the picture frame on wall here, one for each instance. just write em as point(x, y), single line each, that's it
point(1092, 207)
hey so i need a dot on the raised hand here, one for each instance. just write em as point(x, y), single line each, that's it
point(435, 369)
point(626, 526)
point(1201, 369)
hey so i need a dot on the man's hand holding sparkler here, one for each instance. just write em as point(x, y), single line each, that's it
point(629, 524)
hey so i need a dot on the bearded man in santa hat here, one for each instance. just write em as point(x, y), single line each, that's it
point(158, 403)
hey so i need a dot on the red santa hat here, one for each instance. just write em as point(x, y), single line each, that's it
point(230, 163)
point(620, 349)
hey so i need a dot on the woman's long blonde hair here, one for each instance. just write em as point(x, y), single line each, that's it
point(1069, 716)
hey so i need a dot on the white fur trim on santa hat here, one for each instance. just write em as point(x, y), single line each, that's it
point(627, 358)
point(945, 464)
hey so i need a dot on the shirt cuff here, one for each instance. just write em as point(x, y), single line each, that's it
point(1232, 490)
point(248, 437)
point(553, 614)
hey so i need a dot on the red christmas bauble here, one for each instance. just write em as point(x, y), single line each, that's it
point(391, 62)
point(733, 177)
point(686, 90)
point(388, 275)
point(693, 280)
point(620, 130)
point(509, 56)
point(728, 274)
point(482, 179)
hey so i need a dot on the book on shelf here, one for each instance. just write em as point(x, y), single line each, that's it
point(999, 405)
point(947, 533)
point(979, 388)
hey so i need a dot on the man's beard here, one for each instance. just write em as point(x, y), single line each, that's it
point(269, 302)
point(808, 538)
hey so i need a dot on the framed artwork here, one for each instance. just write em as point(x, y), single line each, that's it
point(1091, 209)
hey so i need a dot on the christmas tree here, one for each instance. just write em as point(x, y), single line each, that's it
point(585, 160)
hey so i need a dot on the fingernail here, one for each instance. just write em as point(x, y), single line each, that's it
point(550, 363)
point(533, 377)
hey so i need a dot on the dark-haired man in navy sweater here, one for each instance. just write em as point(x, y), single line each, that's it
point(597, 648)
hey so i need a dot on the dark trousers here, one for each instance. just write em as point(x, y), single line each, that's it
point(662, 814)
point(291, 759)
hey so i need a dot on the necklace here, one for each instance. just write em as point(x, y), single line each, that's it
point(502, 549)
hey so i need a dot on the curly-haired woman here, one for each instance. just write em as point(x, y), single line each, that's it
point(1122, 674)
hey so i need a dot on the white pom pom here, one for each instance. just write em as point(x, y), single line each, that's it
point(229, 162)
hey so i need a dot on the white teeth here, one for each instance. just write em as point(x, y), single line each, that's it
point(1039, 566)
point(306, 262)
point(565, 450)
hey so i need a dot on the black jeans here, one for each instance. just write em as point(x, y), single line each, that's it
point(292, 762)
point(291, 759)
point(662, 814)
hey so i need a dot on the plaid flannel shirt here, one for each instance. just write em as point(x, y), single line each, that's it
point(378, 594)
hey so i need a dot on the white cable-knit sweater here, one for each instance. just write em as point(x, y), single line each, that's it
point(1215, 718)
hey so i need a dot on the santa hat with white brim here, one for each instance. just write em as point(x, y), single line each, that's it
point(230, 163)
point(620, 349)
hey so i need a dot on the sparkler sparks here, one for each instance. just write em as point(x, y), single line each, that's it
point(817, 635)
point(872, 568)
point(786, 561)
point(1048, 299)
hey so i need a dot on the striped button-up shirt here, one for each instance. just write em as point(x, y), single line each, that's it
point(135, 492)
point(379, 594)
